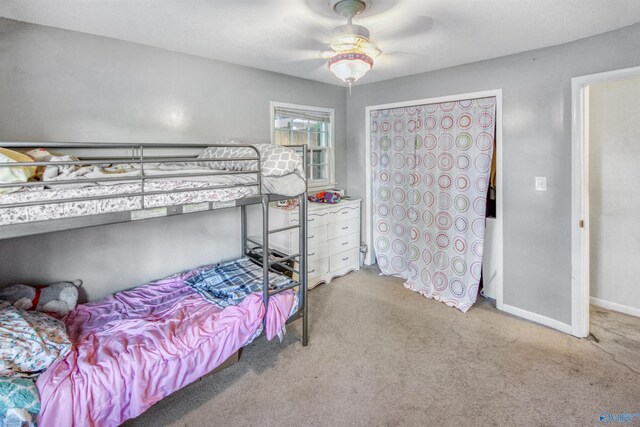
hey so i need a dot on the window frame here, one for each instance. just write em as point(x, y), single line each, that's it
point(312, 184)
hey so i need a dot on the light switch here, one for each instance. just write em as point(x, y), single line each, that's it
point(541, 183)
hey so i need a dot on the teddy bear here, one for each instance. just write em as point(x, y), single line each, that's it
point(57, 299)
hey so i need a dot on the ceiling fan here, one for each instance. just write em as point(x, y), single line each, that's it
point(353, 53)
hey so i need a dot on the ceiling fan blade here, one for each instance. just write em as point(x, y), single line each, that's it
point(312, 55)
point(301, 43)
point(305, 61)
point(396, 53)
point(311, 42)
point(308, 29)
point(326, 54)
point(409, 27)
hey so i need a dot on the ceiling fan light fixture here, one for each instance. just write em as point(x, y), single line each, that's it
point(354, 43)
point(354, 52)
point(350, 66)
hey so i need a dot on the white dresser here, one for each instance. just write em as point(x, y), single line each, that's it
point(333, 237)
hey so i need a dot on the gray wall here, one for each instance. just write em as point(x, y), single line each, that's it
point(58, 85)
point(614, 195)
point(537, 142)
point(62, 85)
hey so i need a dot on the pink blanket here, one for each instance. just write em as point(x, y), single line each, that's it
point(136, 347)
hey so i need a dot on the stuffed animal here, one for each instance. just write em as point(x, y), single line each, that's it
point(57, 298)
point(325, 197)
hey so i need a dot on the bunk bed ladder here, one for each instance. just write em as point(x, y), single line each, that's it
point(266, 255)
point(268, 262)
point(302, 265)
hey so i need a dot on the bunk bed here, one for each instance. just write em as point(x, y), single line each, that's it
point(135, 347)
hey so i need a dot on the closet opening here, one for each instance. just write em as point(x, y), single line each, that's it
point(489, 211)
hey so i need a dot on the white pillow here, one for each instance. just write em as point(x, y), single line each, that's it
point(9, 175)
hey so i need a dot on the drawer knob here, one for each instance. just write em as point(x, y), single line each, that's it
point(344, 259)
point(345, 243)
point(311, 237)
point(345, 228)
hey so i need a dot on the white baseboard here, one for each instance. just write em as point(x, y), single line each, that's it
point(537, 318)
point(614, 306)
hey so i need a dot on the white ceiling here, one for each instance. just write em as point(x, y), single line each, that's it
point(289, 36)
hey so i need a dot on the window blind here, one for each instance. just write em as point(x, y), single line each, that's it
point(317, 116)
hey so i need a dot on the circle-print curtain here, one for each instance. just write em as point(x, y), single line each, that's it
point(431, 166)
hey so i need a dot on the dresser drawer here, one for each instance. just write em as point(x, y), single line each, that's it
point(314, 219)
point(317, 252)
point(318, 268)
point(344, 213)
point(343, 243)
point(316, 235)
point(346, 259)
point(342, 228)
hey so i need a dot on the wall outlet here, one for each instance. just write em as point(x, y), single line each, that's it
point(541, 183)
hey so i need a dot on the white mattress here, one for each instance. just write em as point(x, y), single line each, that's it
point(288, 185)
point(17, 215)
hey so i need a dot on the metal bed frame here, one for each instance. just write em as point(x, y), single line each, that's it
point(139, 154)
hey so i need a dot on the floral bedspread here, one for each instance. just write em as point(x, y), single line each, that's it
point(30, 342)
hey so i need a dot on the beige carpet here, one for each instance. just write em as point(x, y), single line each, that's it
point(382, 355)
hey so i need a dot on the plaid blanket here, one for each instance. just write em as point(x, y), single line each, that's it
point(230, 283)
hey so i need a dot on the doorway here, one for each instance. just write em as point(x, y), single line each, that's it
point(606, 146)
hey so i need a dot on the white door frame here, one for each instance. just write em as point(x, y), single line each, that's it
point(580, 192)
point(497, 93)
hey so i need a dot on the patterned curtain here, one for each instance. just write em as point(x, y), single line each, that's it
point(431, 167)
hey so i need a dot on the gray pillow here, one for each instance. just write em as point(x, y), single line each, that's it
point(276, 160)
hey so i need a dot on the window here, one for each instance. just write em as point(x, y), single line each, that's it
point(311, 126)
